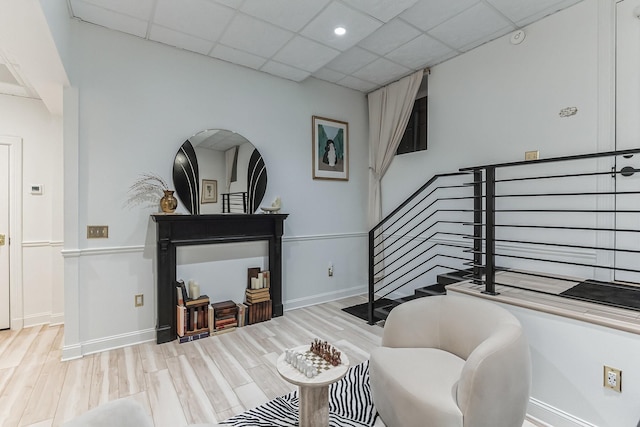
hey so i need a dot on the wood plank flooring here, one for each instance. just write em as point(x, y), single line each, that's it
point(203, 381)
point(207, 380)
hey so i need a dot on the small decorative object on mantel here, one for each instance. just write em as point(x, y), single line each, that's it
point(168, 202)
point(150, 188)
point(275, 206)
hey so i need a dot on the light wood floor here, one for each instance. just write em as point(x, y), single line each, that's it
point(207, 380)
point(203, 381)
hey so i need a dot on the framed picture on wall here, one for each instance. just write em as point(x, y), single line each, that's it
point(209, 191)
point(330, 148)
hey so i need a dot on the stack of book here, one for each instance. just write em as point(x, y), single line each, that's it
point(258, 312)
point(224, 316)
point(242, 314)
point(258, 296)
point(192, 318)
point(253, 296)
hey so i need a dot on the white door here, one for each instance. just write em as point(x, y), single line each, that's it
point(628, 137)
point(4, 235)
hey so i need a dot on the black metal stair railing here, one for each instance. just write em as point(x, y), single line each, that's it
point(234, 202)
point(425, 234)
point(527, 211)
point(545, 219)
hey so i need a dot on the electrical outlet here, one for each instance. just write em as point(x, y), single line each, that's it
point(531, 155)
point(330, 270)
point(139, 300)
point(612, 379)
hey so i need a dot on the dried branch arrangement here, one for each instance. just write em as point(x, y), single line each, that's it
point(147, 190)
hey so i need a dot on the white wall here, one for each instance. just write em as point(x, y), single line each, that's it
point(491, 105)
point(138, 101)
point(41, 238)
point(494, 103)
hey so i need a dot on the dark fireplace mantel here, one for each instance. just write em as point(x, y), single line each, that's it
point(182, 230)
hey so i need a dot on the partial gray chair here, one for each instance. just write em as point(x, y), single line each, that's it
point(120, 412)
point(451, 361)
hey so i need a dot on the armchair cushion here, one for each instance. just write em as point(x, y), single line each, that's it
point(423, 383)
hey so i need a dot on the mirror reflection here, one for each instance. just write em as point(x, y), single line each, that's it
point(218, 171)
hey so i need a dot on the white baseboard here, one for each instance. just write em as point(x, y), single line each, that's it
point(118, 341)
point(37, 319)
point(552, 416)
point(324, 297)
point(70, 352)
point(57, 319)
point(45, 318)
point(76, 351)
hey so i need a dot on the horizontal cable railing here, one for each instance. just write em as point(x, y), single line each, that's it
point(234, 202)
point(423, 236)
point(562, 220)
point(578, 224)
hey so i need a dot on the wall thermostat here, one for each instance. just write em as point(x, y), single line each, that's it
point(517, 37)
point(36, 189)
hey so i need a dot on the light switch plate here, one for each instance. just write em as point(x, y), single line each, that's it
point(97, 231)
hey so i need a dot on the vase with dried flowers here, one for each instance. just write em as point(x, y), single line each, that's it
point(149, 188)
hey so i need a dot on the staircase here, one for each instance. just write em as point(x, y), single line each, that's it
point(438, 288)
point(546, 218)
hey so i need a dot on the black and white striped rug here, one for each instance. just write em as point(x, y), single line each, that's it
point(350, 405)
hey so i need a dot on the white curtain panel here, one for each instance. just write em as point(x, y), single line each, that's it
point(229, 157)
point(389, 111)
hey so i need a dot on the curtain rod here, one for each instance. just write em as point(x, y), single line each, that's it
point(425, 71)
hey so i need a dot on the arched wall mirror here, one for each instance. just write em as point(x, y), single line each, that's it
point(218, 171)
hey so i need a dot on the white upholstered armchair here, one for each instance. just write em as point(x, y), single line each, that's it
point(451, 361)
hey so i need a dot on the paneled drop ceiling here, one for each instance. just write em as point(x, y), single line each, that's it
point(294, 39)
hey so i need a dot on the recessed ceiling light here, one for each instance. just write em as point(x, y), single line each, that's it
point(340, 31)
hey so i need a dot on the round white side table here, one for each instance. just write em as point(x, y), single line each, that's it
point(314, 392)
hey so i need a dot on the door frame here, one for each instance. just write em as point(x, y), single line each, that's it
point(616, 165)
point(15, 230)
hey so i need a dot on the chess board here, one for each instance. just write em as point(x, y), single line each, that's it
point(317, 361)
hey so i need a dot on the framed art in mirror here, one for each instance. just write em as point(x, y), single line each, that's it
point(330, 148)
point(209, 191)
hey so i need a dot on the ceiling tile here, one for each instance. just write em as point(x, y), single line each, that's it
point(140, 9)
point(426, 14)
point(328, 75)
point(352, 60)
point(253, 36)
point(386, 38)
point(381, 71)
point(285, 71)
point(106, 18)
point(298, 12)
point(419, 52)
point(473, 24)
point(200, 18)
point(236, 56)
point(234, 4)
point(305, 54)
point(357, 84)
point(178, 39)
point(518, 10)
point(384, 10)
point(358, 26)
